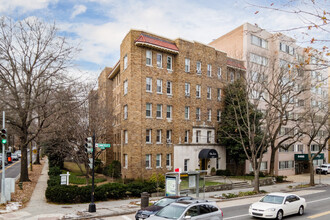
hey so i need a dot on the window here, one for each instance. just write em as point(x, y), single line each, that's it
point(259, 42)
point(148, 136)
point(187, 65)
point(209, 70)
point(299, 148)
point(149, 110)
point(169, 88)
point(169, 63)
point(209, 115)
point(198, 114)
point(301, 102)
point(125, 137)
point(219, 94)
point(198, 91)
point(168, 136)
point(169, 112)
point(263, 166)
point(159, 60)
point(158, 161)
point(232, 76)
point(125, 112)
point(187, 89)
point(149, 58)
point(125, 161)
point(208, 92)
point(186, 112)
point(199, 67)
point(148, 161)
point(198, 134)
point(159, 111)
point(159, 86)
point(185, 168)
point(218, 115)
point(209, 133)
point(168, 160)
point(219, 72)
point(315, 147)
point(125, 62)
point(148, 84)
point(286, 164)
point(287, 49)
point(254, 58)
point(186, 136)
point(159, 137)
point(125, 87)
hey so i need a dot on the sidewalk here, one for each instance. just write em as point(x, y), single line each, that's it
point(39, 209)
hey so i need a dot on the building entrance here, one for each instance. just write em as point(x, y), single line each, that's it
point(301, 167)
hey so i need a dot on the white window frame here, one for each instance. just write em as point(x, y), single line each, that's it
point(187, 112)
point(198, 136)
point(186, 136)
point(208, 136)
point(150, 110)
point(198, 114)
point(187, 89)
point(125, 161)
point(159, 110)
point(218, 115)
point(185, 165)
point(209, 115)
point(148, 57)
point(159, 137)
point(149, 83)
point(125, 62)
point(148, 135)
point(168, 160)
point(160, 63)
point(125, 112)
point(187, 65)
point(198, 91)
point(169, 86)
point(159, 161)
point(159, 86)
point(209, 70)
point(219, 94)
point(168, 136)
point(169, 61)
point(125, 137)
point(219, 72)
point(209, 90)
point(125, 87)
point(169, 111)
point(199, 67)
point(148, 161)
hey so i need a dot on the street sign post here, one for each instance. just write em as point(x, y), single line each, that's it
point(102, 146)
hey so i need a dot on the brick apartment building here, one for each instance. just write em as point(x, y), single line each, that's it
point(252, 44)
point(164, 101)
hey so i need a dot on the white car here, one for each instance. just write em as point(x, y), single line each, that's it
point(277, 205)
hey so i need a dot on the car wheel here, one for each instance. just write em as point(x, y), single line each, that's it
point(279, 215)
point(301, 210)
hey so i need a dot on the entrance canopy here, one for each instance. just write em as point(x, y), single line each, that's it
point(304, 157)
point(208, 153)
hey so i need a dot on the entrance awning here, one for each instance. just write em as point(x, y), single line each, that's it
point(208, 153)
point(304, 157)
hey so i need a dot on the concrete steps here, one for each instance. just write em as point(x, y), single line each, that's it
point(240, 185)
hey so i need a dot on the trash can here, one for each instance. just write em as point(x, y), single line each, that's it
point(144, 200)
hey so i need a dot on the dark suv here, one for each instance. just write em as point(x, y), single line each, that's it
point(146, 212)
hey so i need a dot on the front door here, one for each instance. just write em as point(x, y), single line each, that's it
point(203, 164)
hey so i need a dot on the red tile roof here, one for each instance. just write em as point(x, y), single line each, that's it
point(235, 63)
point(145, 39)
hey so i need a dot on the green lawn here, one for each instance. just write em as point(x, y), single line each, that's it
point(244, 177)
point(184, 183)
point(79, 179)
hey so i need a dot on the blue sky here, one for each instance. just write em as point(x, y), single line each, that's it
point(98, 26)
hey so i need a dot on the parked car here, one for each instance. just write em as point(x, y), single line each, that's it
point(19, 153)
point(146, 212)
point(278, 205)
point(6, 162)
point(189, 209)
point(323, 169)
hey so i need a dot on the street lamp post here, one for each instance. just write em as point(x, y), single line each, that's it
point(92, 207)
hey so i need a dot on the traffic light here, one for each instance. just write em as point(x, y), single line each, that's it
point(9, 159)
point(89, 145)
point(3, 136)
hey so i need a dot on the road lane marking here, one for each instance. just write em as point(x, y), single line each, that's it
point(9, 166)
point(234, 217)
point(319, 215)
point(318, 200)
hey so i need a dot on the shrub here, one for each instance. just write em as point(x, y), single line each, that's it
point(158, 180)
point(98, 166)
point(223, 173)
point(54, 181)
point(113, 169)
point(54, 171)
point(280, 179)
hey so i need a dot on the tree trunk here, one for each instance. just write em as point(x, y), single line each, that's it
point(24, 164)
point(38, 157)
point(272, 162)
point(311, 172)
point(256, 181)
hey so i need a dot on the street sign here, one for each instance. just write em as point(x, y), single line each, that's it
point(102, 146)
point(34, 151)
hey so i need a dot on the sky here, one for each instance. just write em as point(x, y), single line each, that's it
point(98, 26)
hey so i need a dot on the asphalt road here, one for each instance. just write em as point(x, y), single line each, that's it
point(318, 207)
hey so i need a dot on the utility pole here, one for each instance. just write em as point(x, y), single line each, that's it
point(92, 207)
point(3, 198)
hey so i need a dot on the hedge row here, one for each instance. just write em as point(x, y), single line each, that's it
point(74, 194)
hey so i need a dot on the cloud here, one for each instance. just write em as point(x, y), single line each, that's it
point(78, 9)
point(23, 5)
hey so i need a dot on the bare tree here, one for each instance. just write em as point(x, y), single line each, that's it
point(33, 61)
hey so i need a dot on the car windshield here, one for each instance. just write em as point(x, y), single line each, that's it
point(171, 212)
point(164, 202)
point(272, 199)
point(323, 166)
